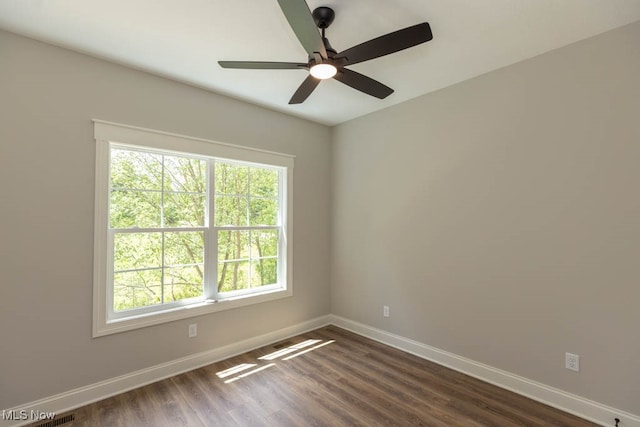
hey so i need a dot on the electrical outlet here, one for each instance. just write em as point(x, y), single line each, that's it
point(385, 310)
point(572, 362)
point(193, 330)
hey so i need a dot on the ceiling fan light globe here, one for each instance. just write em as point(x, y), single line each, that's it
point(323, 71)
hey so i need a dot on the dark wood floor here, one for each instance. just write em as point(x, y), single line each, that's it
point(328, 377)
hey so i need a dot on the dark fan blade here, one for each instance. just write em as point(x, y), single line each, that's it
point(257, 65)
point(305, 89)
point(389, 43)
point(363, 83)
point(301, 21)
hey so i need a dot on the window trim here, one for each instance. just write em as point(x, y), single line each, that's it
point(106, 133)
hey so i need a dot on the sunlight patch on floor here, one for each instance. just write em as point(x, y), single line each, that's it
point(235, 370)
point(291, 349)
point(242, 370)
point(246, 374)
point(309, 349)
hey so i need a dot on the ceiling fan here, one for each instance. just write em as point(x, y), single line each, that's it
point(324, 62)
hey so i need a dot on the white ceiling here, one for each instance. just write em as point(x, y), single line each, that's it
point(183, 40)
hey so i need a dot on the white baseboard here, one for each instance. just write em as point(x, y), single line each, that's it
point(78, 397)
point(567, 402)
point(587, 409)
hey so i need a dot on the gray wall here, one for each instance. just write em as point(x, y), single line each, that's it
point(500, 218)
point(47, 97)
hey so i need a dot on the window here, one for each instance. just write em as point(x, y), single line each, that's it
point(186, 227)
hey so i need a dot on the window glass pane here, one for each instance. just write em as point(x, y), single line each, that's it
point(264, 243)
point(129, 209)
point(153, 190)
point(264, 272)
point(137, 289)
point(186, 175)
point(137, 250)
point(264, 212)
point(233, 245)
point(183, 282)
point(231, 179)
point(184, 209)
point(264, 182)
point(184, 248)
point(233, 276)
point(231, 210)
point(135, 170)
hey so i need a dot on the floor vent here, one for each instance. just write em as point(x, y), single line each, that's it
point(58, 421)
point(283, 344)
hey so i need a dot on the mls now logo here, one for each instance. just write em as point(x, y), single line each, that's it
point(24, 415)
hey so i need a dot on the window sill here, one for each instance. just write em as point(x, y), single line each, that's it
point(184, 312)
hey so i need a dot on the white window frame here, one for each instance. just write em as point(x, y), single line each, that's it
point(107, 134)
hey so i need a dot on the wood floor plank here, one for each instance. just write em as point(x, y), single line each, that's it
point(327, 377)
point(387, 400)
point(206, 400)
